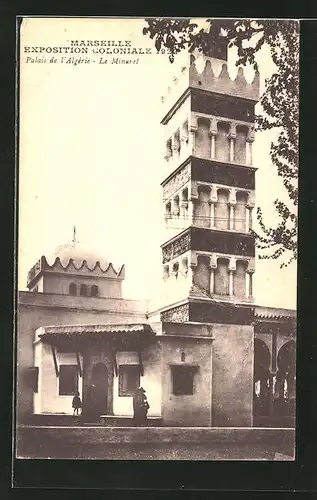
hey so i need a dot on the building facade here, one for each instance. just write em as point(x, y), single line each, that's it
point(207, 356)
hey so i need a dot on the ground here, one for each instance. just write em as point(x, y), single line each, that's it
point(127, 443)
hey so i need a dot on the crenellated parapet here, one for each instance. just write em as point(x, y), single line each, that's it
point(223, 84)
point(72, 266)
point(203, 73)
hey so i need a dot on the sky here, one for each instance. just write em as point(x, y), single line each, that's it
point(91, 156)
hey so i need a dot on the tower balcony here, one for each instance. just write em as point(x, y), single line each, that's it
point(204, 195)
point(201, 263)
point(209, 275)
point(204, 240)
point(209, 137)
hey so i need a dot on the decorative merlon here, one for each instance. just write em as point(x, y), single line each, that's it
point(75, 267)
point(207, 80)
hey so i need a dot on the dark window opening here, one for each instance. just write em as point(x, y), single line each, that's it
point(183, 380)
point(73, 289)
point(83, 290)
point(33, 377)
point(68, 380)
point(94, 291)
point(175, 269)
point(129, 379)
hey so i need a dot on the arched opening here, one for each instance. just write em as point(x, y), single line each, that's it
point(176, 211)
point(222, 209)
point(94, 291)
point(184, 199)
point(222, 277)
point(177, 143)
point(222, 141)
point(239, 279)
point(83, 290)
point(202, 141)
point(286, 358)
point(262, 378)
point(73, 289)
point(202, 273)
point(241, 211)
point(185, 266)
point(175, 269)
point(168, 213)
point(166, 272)
point(240, 143)
point(97, 393)
point(285, 384)
point(185, 131)
point(202, 207)
point(169, 151)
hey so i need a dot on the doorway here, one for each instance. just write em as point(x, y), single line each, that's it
point(97, 394)
point(262, 382)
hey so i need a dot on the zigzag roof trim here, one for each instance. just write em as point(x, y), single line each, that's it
point(80, 264)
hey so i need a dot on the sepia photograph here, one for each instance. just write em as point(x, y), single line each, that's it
point(157, 181)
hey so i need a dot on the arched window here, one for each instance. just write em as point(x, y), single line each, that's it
point(202, 273)
point(166, 272)
point(94, 291)
point(222, 141)
point(222, 209)
point(73, 289)
point(222, 277)
point(240, 143)
point(241, 211)
point(184, 199)
point(185, 131)
point(202, 207)
point(202, 143)
point(168, 211)
point(177, 142)
point(239, 279)
point(169, 151)
point(175, 269)
point(83, 290)
point(176, 206)
point(185, 266)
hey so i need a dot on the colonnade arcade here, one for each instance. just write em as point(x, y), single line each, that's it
point(212, 138)
point(212, 273)
point(274, 379)
point(211, 206)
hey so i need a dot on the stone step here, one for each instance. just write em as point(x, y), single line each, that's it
point(57, 419)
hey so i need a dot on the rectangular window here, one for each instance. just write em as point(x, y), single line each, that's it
point(183, 380)
point(68, 380)
point(129, 379)
point(33, 377)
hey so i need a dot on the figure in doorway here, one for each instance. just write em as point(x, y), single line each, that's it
point(76, 403)
point(140, 406)
point(279, 396)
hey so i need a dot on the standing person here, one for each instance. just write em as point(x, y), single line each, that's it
point(144, 405)
point(279, 401)
point(137, 408)
point(76, 403)
point(140, 406)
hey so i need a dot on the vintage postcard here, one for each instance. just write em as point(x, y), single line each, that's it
point(157, 246)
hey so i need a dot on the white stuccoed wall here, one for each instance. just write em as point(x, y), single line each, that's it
point(48, 400)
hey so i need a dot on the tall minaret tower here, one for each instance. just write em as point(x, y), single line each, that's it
point(208, 195)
